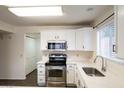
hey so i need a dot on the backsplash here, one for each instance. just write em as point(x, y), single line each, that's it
point(71, 55)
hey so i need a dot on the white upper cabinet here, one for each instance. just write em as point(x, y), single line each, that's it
point(56, 35)
point(120, 31)
point(51, 35)
point(70, 38)
point(81, 39)
point(85, 39)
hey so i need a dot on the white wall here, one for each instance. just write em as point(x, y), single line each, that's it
point(120, 31)
point(12, 56)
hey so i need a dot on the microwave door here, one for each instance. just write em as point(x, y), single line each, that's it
point(58, 46)
point(51, 45)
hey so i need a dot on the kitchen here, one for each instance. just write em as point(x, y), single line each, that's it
point(81, 48)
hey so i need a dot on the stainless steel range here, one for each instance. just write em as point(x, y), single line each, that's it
point(56, 70)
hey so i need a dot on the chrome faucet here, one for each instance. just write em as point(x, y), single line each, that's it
point(103, 63)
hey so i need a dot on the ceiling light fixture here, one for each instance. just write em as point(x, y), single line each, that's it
point(20, 3)
point(37, 11)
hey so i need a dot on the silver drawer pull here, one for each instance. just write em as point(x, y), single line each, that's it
point(41, 66)
point(41, 79)
point(70, 66)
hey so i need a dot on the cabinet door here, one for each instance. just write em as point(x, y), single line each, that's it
point(80, 40)
point(56, 35)
point(89, 39)
point(51, 35)
point(71, 74)
point(70, 37)
point(41, 69)
point(61, 35)
point(76, 78)
point(79, 82)
point(85, 39)
point(44, 39)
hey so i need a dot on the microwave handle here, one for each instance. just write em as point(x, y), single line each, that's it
point(67, 47)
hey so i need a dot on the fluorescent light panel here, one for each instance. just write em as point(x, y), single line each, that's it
point(37, 11)
point(20, 3)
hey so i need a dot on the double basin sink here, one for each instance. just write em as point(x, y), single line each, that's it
point(93, 72)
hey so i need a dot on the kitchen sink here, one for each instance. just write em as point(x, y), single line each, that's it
point(93, 72)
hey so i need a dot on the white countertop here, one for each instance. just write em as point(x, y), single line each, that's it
point(110, 80)
point(42, 62)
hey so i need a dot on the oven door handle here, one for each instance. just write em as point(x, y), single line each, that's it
point(56, 67)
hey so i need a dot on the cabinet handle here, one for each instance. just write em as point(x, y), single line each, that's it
point(79, 82)
point(67, 71)
point(76, 74)
point(83, 46)
point(67, 47)
point(70, 66)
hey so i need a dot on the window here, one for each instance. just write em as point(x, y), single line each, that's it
point(106, 37)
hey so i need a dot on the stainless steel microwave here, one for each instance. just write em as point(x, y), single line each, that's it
point(57, 45)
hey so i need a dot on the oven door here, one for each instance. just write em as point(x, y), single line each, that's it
point(56, 73)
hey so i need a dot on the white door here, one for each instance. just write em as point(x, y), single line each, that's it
point(30, 55)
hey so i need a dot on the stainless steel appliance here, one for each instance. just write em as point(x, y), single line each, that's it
point(56, 70)
point(57, 45)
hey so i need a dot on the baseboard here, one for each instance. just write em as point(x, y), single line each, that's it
point(13, 78)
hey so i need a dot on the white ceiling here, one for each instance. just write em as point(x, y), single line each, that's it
point(73, 15)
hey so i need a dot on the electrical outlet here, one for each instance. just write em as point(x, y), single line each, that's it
point(77, 55)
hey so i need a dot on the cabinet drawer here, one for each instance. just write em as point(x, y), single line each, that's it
point(41, 72)
point(41, 79)
point(72, 66)
point(41, 66)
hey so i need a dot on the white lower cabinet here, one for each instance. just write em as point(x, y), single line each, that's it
point(74, 77)
point(71, 74)
point(41, 81)
point(79, 81)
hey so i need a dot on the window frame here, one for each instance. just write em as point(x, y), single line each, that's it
point(98, 29)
